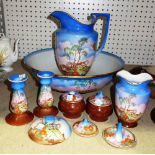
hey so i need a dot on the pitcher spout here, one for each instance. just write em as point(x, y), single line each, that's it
point(144, 78)
point(68, 22)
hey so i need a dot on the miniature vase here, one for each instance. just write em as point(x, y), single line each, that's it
point(45, 99)
point(99, 107)
point(19, 107)
point(75, 48)
point(132, 96)
point(71, 104)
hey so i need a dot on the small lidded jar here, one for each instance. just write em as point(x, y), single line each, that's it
point(99, 107)
point(71, 104)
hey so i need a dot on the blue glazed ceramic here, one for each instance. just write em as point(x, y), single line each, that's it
point(132, 95)
point(18, 102)
point(101, 72)
point(18, 106)
point(75, 48)
point(18, 81)
point(45, 99)
point(45, 77)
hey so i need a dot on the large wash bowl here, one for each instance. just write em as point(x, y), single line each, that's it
point(101, 72)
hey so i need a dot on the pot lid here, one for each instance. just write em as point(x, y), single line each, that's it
point(100, 99)
point(49, 130)
point(85, 128)
point(72, 96)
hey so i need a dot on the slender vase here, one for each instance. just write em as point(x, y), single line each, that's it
point(131, 98)
point(45, 99)
point(19, 107)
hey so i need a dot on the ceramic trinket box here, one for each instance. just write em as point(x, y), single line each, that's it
point(71, 104)
point(99, 107)
point(50, 130)
point(18, 106)
point(85, 128)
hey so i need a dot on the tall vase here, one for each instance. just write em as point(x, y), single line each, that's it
point(45, 99)
point(132, 96)
point(19, 107)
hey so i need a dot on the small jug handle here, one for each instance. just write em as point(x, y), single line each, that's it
point(94, 17)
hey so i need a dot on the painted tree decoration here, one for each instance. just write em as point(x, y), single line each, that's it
point(76, 54)
point(128, 108)
point(19, 102)
point(85, 84)
point(45, 97)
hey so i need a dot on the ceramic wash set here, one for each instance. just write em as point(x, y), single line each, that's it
point(77, 59)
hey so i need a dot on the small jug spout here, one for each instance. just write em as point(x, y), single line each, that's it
point(135, 79)
point(15, 53)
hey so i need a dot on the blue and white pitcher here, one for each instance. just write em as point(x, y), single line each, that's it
point(132, 96)
point(76, 42)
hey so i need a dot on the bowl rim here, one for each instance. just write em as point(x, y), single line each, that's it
point(24, 61)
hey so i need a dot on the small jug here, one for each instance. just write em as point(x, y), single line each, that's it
point(131, 98)
point(7, 55)
point(75, 48)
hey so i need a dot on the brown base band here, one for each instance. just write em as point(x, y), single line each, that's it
point(19, 119)
point(72, 116)
point(41, 112)
point(128, 125)
point(98, 119)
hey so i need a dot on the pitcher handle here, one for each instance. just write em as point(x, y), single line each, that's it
point(94, 17)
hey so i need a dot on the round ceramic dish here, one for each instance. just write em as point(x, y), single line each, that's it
point(104, 66)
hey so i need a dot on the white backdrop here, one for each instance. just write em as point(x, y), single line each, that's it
point(131, 32)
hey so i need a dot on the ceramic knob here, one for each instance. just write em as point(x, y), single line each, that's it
point(99, 107)
point(71, 104)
